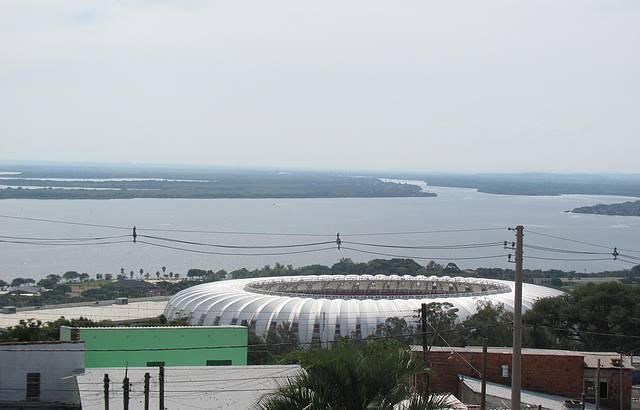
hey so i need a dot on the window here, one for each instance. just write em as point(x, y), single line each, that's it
point(155, 364)
point(33, 386)
point(219, 363)
point(590, 389)
point(504, 370)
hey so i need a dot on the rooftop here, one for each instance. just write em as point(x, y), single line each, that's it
point(590, 358)
point(117, 313)
point(217, 387)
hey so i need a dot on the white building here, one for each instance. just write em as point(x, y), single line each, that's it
point(41, 374)
point(319, 308)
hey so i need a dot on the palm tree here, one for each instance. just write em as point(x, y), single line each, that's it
point(141, 272)
point(164, 270)
point(371, 376)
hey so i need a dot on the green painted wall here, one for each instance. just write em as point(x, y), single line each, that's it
point(162, 337)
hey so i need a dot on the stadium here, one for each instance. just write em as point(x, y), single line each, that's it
point(321, 308)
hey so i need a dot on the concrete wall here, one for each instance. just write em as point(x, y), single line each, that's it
point(55, 362)
point(142, 338)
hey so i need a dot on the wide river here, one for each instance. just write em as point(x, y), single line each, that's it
point(453, 209)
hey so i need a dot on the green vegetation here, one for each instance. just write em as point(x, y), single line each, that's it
point(540, 183)
point(370, 375)
point(149, 182)
point(629, 208)
point(35, 330)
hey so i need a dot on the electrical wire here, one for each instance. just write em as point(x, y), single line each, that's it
point(57, 221)
point(297, 245)
point(597, 245)
point(64, 243)
point(235, 254)
point(423, 257)
point(433, 247)
point(27, 238)
point(559, 250)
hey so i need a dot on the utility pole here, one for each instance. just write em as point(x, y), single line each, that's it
point(597, 386)
point(516, 361)
point(146, 390)
point(106, 391)
point(620, 381)
point(161, 382)
point(483, 391)
point(425, 347)
point(125, 392)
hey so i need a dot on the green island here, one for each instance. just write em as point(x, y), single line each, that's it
point(128, 182)
point(629, 208)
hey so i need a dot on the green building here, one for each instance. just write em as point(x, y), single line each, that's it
point(161, 346)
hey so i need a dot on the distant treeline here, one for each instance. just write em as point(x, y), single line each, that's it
point(540, 183)
point(630, 208)
point(189, 183)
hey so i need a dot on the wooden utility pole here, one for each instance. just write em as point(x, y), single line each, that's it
point(146, 390)
point(425, 347)
point(161, 382)
point(620, 381)
point(483, 391)
point(125, 392)
point(597, 386)
point(516, 361)
point(106, 391)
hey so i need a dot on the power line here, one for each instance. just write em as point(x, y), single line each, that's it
point(233, 253)
point(423, 257)
point(433, 247)
point(38, 243)
point(297, 245)
point(27, 238)
point(57, 221)
point(597, 245)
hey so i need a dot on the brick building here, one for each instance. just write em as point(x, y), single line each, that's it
point(555, 372)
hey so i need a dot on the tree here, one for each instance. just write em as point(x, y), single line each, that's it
point(440, 317)
point(47, 283)
point(353, 376)
point(83, 277)
point(130, 275)
point(158, 274)
point(98, 276)
point(54, 278)
point(70, 276)
point(141, 272)
point(589, 317)
point(22, 281)
point(164, 270)
point(122, 271)
point(3, 283)
point(451, 268)
point(196, 273)
point(490, 321)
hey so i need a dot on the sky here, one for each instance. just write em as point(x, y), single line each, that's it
point(382, 85)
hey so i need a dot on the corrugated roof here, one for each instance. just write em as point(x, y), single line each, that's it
point(547, 401)
point(214, 387)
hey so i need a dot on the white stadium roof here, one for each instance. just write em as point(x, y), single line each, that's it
point(321, 307)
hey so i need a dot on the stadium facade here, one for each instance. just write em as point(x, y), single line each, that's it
point(321, 308)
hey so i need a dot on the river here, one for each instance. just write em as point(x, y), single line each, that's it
point(453, 208)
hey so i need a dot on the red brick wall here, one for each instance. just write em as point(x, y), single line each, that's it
point(551, 374)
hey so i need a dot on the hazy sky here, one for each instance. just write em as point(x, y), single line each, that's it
point(424, 85)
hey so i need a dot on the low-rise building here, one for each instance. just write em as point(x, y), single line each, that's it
point(40, 375)
point(554, 372)
point(161, 346)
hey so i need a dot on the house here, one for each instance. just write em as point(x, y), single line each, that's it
point(563, 373)
point(40, 375)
